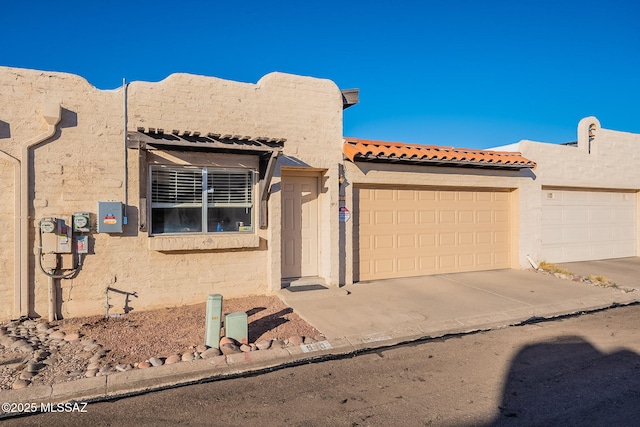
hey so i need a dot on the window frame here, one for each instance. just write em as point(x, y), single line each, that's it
point(205, 202)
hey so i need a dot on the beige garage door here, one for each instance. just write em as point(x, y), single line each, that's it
point(414, 232)
point(587, 225)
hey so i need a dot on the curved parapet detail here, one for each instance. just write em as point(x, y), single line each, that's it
point(587, 130)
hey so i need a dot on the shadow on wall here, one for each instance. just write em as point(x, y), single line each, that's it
point(118, 301)
point(570, 382)
point(68, 118)
point(5, 130)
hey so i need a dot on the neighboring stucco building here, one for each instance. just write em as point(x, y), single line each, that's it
point(195, 185)
point(586, 195)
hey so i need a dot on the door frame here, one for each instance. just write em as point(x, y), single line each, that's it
point(292, 175)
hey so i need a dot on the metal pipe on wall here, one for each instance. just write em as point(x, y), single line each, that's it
point(16, 233)
point(125, 185)
point(52, 114)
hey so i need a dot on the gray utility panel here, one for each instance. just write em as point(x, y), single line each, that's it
point(109, 217)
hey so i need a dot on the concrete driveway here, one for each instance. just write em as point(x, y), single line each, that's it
point(408, 308)
point(622, 271)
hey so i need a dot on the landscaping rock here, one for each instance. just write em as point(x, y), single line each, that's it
point(20, 384)
point(263, 345)
point(174, 358)
point(156, 361)
point(72, 337)
point(57, 335)
point(227, 349)
point(211, 352)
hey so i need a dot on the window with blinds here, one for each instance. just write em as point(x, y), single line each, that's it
point(229, 188)
point(201, 200)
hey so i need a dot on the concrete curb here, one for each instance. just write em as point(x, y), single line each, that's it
point(122, 384)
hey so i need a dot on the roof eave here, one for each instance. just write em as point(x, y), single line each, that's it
point(441, 162)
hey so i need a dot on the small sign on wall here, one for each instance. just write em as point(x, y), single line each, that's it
point(344, 214)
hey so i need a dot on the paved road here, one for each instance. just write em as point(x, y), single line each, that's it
point(582, 370)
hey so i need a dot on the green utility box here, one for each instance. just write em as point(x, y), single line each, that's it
point(236, 327)
point(214, 319)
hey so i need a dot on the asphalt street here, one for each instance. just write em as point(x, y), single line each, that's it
point(579, 370)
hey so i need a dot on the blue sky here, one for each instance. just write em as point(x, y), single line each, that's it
point(464, 73)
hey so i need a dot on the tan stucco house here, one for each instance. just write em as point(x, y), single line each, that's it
point(158, 194)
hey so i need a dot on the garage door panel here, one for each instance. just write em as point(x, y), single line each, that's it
point(447, 239)
point(484, 259)
point(624, 215)
point(575, 234)
point(383, 218)
point(465, 217)
point(406, 240)
point(422, 232)
point(447, 262)
point(447, 217)
point(501, 237)
point(383, 194)
point(406, 195)
point(484, 216)
point(383, 266)
point(483, 197)
point(406, 265)
point(466, 260)
point(484, 238)
point(501, 257)
point(407, 217)
point(383, 242)
point(465, 239)
point(446, 196)
point(426, 240)
point(465, 196)
point(582, 225)
point(501, 216)
point(427, 217)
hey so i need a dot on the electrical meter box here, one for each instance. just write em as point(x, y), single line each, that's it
point(56, 235)
point(81, 222)
point(110, 217)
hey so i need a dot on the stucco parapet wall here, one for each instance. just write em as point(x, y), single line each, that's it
point(194, 243)
point(179, 99)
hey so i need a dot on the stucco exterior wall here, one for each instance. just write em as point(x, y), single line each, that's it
point(519, 182)
point(8, 220)
point(84, 163)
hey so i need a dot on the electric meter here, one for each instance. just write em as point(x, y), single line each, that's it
point(47, 225)
point(81, 221)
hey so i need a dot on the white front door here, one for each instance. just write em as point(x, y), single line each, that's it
point(299, 226)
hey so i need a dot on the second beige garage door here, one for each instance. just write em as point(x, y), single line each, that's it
point(414, 232)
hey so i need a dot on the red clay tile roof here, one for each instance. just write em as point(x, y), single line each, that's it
point(396, 152)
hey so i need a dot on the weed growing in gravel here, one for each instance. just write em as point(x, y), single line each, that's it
point(550, 267)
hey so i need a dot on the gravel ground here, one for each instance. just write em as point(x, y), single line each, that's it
point(132, 338)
